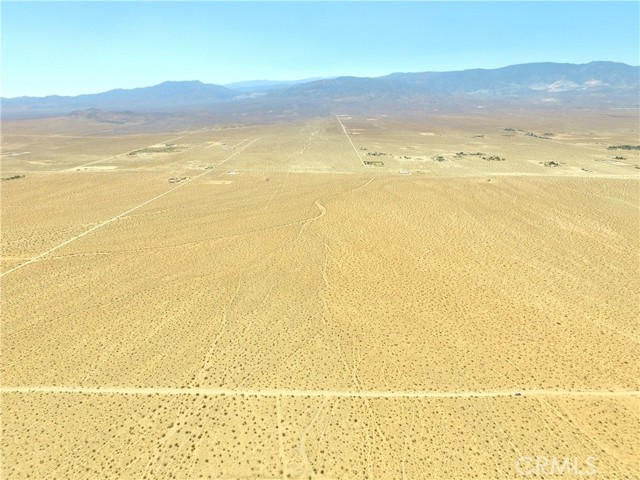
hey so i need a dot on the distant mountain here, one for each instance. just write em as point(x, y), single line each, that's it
point(591, 84)
point(254, 86)
point(167, 95)
point(517, 80)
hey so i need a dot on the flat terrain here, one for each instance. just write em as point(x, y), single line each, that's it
point(338, 297)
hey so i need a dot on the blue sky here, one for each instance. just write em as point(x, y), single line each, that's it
point(86, 47)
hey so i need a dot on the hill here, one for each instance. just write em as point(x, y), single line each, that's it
point(167, 95)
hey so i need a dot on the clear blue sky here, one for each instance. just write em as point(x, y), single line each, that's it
point(86, 47)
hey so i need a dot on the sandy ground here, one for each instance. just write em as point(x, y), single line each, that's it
point(285, 311)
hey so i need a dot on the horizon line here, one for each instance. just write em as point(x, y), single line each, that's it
point(310, 79)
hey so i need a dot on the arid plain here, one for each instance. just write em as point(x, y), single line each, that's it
point(350, 296)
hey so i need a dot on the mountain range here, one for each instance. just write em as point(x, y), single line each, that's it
point(602, 83)
point(253, 86)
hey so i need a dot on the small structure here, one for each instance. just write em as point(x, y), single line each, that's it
point(404, 172)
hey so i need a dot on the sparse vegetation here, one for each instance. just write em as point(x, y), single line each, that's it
point(544, 136)
point(236, 326)
point(167, 148)
point(624, 147)
point(483, 156)
point(13, 177)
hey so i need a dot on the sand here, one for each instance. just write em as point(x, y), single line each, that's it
point(313, 317)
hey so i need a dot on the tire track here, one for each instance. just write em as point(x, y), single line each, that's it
point(349, 138)
point(283, 392)
point(123, 214)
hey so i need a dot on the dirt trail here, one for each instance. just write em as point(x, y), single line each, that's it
point(349, 138)
point(283, 392)
point(123, 214)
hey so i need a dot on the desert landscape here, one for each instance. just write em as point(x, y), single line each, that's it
point(361, 294)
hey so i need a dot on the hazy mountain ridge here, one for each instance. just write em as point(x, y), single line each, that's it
point(608, 83)
point(259, 86)
point(165, 95)
point(523, 79)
